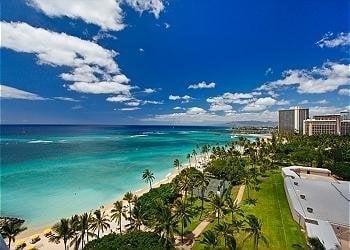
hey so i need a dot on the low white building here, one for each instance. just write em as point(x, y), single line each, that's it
point(320, 204)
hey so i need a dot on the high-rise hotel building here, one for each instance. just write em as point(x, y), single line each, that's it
point(328, 124)
point(292, 120)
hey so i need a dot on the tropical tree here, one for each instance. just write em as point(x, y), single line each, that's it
point(188, 157)
point(177, 164)
point(129, 198)
point(62, 231)
point(165, 223)
point(210, 239)
point(137, 218)
point(233, 208)
point(225, 230)
point(194, 153)
point(184, 214)
point(218, 205)
point(148, 176)
point(77, 237)
point(100, 222)
point(202, 183)
point(117, 212)
point(11, 229)
point(84, 224)
point(254, 231)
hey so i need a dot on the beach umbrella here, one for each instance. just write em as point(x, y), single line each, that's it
point(31, 247)
point(35, 236)
point(20, 243)
point(47, 231)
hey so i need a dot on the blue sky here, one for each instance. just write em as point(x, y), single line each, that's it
point(133, 61)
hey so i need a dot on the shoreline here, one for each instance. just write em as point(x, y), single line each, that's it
point(106, 206)
point(44, 242)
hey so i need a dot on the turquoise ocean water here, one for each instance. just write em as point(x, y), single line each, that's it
point(50, 172)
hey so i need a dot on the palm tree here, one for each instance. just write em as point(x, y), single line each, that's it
point(218, 205)
point(183, 214)
point(184, 182)
point(202, 183)
point(224, 229)
point(77, 237)
point(61, 231)
point(129, 198)
point(210, 239)
point(254, 230)
point(165, 223)
point(11, 229)
point(194, 153)
point(84, 224)
point(188, 157)
point(148, 176)
point(117, 213)
point(137, 218)
point(233, 208)
point(177, 164)
point(100, 222)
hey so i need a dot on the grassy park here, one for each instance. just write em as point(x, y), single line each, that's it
point(272, 208)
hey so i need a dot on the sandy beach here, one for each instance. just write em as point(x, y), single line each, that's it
point(44, 243)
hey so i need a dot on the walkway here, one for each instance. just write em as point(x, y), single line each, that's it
point(201, 227)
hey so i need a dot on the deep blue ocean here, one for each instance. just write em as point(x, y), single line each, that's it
point(49, 172)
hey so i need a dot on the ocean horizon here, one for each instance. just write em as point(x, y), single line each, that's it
point(54, 171)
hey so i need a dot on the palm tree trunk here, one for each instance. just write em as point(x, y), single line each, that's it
point(82, 239)
point(202, 208)
point(65, 244)
point(98, 233)
point(120, 224)
point(150, 185)
point(182, 231)
point(10, 239)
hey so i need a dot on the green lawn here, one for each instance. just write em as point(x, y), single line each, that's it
point(273, 209)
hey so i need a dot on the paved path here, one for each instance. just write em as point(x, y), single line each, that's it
point(201, 227)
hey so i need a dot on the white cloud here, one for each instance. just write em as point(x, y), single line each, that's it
point(102, 35)
point(260, 104)
point(269, 71)
point(283, 102)
point(68, 99)
point(76, 107)
point(331, 41)
point(202, 85)
point(149, 90)
point(199, 116)
point(107, 14)
point(94, 70)
point(153, 6)
point(152, 102)
point(129, 109)
point(179, 108)
point(56, 48)
point(325, 110)
point(317, 80)
point(185, 98)
point(166, 25)
point(345, 92)
point(133, 103)
point(13, 93)
point(100, 87)
point(220, 107)
point(119, 98)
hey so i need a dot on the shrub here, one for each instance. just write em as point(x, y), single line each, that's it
point(136, 240)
